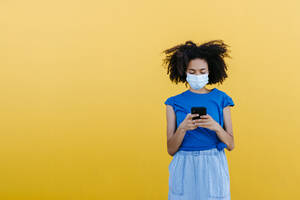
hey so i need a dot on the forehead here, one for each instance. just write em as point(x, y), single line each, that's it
point(197, 64)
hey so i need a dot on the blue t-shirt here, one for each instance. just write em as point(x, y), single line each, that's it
point(200, 138)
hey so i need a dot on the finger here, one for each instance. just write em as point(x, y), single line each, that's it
point(195, 120)
point(202, 124)
point(199, 120)
point(203, 120)
point(193, 124)
point(204, 116)
point(193, 115)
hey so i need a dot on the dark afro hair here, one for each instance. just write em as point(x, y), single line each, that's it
point(213, 52)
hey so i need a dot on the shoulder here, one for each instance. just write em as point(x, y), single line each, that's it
point(171, 99)
point(226, 98)
point(222, 93)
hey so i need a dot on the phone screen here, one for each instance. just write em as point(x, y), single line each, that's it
point(198, 110)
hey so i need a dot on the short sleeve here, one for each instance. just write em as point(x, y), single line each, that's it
point(170, 101)
point(227, 101)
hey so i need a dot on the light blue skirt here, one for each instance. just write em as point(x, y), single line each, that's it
point(199, 175)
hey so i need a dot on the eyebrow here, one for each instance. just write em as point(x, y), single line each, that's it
point(200, 69)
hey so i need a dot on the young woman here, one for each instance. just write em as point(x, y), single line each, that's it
point(199, 168)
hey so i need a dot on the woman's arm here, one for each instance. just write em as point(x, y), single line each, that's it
point(174, 138)
point(226, 135)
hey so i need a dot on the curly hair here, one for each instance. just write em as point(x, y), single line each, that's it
point(213, 52)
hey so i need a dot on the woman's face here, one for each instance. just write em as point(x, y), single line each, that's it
point(197, 66)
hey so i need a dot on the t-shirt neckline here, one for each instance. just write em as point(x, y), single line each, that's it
point(190, 92)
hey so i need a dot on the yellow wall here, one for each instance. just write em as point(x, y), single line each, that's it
point(82, 90)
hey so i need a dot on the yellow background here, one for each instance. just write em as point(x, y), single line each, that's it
point(82, 91)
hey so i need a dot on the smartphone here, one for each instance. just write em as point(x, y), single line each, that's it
point(198, 110)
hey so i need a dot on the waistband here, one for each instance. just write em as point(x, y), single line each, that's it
point(213, 151)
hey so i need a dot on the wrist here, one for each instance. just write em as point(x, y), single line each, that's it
point(218, 128)
point(181, 127)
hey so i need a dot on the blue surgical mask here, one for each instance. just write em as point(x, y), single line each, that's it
point(197, 81)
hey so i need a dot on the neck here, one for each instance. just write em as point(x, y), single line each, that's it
point(200, 91)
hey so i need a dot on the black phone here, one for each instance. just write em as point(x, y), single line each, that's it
point(198, 110)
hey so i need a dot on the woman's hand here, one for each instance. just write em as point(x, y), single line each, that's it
point(207, 121)
point(188, 123)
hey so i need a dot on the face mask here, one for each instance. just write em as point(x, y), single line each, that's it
point(197, 81)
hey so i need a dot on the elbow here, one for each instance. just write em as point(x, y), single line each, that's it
point(230, 148)
point(231, 144)
point(170, 152)
point(169, 149)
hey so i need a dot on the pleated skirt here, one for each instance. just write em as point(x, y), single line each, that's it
point(199, 175)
